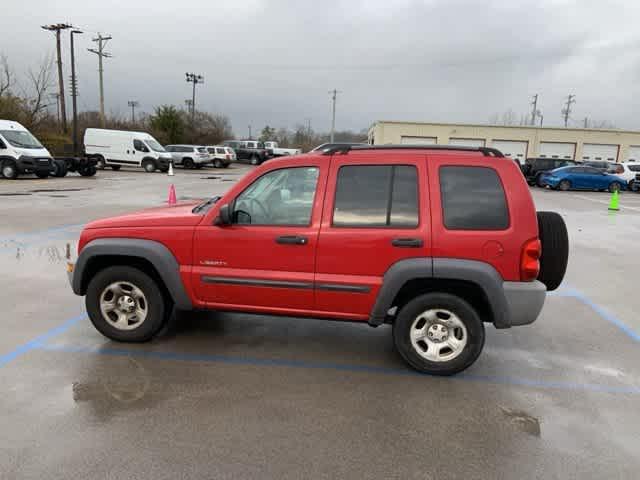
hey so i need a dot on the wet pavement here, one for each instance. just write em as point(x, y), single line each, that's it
point(238, 396)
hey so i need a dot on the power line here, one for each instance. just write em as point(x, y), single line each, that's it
point(102, 42)
point(57, 28)
point(566, 111)
point(334, 93)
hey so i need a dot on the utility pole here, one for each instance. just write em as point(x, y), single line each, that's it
point(534, 109)
point(74, 94)
point(249, 132)
point(195, 79)
point(57, 28)
point(334, 93)
point(308, 127)
point(57, 97)
point(586, 122)
point(102, 42)
point(133, 104)
point(541, 117)
point(571, 99)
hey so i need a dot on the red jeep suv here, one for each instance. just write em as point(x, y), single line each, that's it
point(436, 241)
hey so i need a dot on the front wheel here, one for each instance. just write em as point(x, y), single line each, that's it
point(125, 304)
point(87, 171)
point(187, 163)
point(217, 163)
point(614, 187)
point(42, 173)
point(101, 163)
point(9, 170)
point(438, 334)
point(149, 166)
point(539, 182)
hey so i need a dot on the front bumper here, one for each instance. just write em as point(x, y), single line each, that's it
point(524, 301)
point(32, 164)
point(550, 182)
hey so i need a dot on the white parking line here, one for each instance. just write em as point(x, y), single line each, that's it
point(622, 207)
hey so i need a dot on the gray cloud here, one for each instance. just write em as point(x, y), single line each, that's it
point(274, 61)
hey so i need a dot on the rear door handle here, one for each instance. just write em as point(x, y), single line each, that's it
point(292, 240)
point(407, 242)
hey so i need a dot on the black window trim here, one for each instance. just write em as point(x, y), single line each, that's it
point(232, 204)
point(504, 194)
point(389, 199)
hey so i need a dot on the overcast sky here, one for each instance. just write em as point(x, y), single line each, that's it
point(274, 61)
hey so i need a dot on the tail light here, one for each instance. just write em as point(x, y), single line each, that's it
point(530, 260)
point(228, 157)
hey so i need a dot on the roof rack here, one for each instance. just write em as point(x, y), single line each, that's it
point(486, 151)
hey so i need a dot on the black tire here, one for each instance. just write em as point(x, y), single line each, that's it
point(225, 165)
point(254, 160)
point(149, 165)
point(555, 249)
point(199, 166)
point(564, 185)
point(87, 171)
point(635, 186)
point(615, 187)
point(101, 163)
point(42, 173)
point(157, 311)
point(116, 167)
point(456, 305)
point(9, 170)
point(217, 163)
point(187, 163)
point(539, 180)
point(59, 168)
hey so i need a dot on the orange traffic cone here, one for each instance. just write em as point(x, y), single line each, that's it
point(172, 195)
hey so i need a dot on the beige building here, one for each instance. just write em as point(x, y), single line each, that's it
point(580, 144)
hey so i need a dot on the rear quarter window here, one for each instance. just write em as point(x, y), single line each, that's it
point(472, 199)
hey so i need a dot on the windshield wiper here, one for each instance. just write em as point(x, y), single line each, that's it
point(208, 203)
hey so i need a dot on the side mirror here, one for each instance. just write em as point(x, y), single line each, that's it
point(224, 216)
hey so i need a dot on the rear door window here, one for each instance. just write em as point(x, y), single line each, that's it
point(473, 199)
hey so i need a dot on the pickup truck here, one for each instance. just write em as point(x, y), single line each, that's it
point(249, 150)
point(276, 151)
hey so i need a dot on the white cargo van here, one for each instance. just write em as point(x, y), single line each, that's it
point(21, 152)
point(116, 148)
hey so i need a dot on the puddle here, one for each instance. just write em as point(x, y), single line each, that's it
point(210, 178)
point(13, 194)
point(522, 420)
point(51, 253)
point(53, 190)
point(58, 196)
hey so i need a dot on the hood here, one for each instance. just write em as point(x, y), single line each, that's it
point(178, 215)
point(31, 152)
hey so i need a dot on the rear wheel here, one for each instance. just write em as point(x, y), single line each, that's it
point(615, 187)
point(87, 171)
point(217, 163)
point(199, 166)
point(438, 334)
point(564, 185)
point(187, 163)
point(125, 304)
point(149, 165)
point(539, 180)
point(9, 170)
point(555, 249)
point(255, 160)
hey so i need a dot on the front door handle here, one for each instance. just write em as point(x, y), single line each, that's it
point(407, 242)
point(292, 240)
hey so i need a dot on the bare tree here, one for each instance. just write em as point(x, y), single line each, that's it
point(6, 76)
point(601, 124)
point(507, 118)
point(36, 95)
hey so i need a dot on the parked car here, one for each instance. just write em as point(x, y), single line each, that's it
point(328, 146)
point(189, 156)
point(533, 168)
point(115, 148)
point(276, 151)
point(624, 171)
point(21, 152)
point(396, 240)
point(248, 150)
point(221, 156)
point(582, 178)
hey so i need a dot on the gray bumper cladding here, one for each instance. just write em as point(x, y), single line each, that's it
point(524, 301)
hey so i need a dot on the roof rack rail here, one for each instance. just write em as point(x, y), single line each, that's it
point(486, 151)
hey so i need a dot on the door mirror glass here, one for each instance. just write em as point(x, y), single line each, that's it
point(224, 216)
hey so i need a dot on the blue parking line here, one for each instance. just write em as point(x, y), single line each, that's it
point(40, 340)
point(600, 310)
point(273, 362)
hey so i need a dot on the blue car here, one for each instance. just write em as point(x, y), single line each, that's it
point(582, 178)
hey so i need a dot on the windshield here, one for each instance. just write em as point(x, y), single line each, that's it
point(155, 146)
point(21, 139)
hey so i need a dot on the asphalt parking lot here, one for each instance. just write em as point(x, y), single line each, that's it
point(238, 396)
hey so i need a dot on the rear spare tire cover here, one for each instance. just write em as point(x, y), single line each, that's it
point(555, 249)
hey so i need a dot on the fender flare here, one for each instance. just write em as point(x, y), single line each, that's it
point(156, 253)
point(479, 273)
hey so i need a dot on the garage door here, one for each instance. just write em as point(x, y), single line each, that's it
point(599, 151)
point(633, 153)
point(557, 150)
point(418, 140)
point(467, 142)
point(512, 148)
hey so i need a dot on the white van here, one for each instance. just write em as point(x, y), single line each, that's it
point(21, 152)
point(116, 148)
